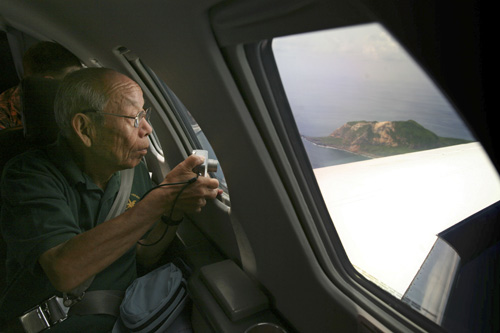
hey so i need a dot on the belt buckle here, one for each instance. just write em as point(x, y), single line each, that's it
point(43, 316)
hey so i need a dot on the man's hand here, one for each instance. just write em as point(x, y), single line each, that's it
point(195, 196)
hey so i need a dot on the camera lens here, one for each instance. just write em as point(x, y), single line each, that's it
point(212, 165)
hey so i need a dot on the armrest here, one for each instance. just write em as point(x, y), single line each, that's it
point(235, 292)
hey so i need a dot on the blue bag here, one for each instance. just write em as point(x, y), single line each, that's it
point(155, 303)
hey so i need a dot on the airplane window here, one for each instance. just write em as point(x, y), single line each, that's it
point(203, 143)
point(395, 163)
point(177, 113)
point(192, 129)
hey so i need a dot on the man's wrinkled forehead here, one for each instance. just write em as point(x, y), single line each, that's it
point(123, 91)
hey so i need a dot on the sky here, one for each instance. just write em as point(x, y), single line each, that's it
point(366, 51)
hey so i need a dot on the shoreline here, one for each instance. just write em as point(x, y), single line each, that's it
point(336, 148)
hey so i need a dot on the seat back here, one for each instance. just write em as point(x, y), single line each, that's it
point(9, 76)
point(39, 129)
point(38, 95)
point(39, 125)
point(12, 142)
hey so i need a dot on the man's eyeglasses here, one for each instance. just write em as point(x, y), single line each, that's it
point(143, 114)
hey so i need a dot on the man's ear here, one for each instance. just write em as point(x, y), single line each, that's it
point(84, 128)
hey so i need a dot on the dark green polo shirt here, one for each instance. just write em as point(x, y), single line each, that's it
point(46, 200)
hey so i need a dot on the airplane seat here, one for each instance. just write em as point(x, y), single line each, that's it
point(39, 125)
point(39, 129)
point(9, 77)
point(12, 142)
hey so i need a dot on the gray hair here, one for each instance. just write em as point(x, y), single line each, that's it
point(82, 90)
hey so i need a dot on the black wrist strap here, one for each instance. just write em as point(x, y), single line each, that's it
point(168, 221)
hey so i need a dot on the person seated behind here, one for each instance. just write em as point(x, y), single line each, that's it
point(44, 59)
point(55, 199)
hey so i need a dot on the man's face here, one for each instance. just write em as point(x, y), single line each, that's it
point(119, 144)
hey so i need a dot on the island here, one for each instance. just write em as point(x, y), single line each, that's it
point(383, 138)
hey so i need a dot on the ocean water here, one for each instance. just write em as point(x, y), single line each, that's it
point(358, 73)
point(322, 157)
point(327, 106)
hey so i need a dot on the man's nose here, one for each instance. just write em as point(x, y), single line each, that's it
point(145, 128)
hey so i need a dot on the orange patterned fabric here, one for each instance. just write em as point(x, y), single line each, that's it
point(10, 108)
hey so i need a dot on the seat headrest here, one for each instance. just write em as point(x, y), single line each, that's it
point(38, 94)
point(12, 143)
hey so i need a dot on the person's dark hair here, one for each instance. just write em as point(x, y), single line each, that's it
point(48, 58)
point(82, 90)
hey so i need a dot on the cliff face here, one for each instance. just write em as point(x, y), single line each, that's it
point(357, 135)
point(386, 138)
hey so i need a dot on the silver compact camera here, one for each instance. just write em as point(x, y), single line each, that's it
point(208, 165)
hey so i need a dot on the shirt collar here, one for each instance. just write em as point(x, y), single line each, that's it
point(61, 154)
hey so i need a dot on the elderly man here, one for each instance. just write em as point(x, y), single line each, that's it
point(55, 200)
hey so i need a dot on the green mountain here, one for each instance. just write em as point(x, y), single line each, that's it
point(386, 138)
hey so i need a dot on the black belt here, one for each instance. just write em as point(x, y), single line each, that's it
point(53, 311)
